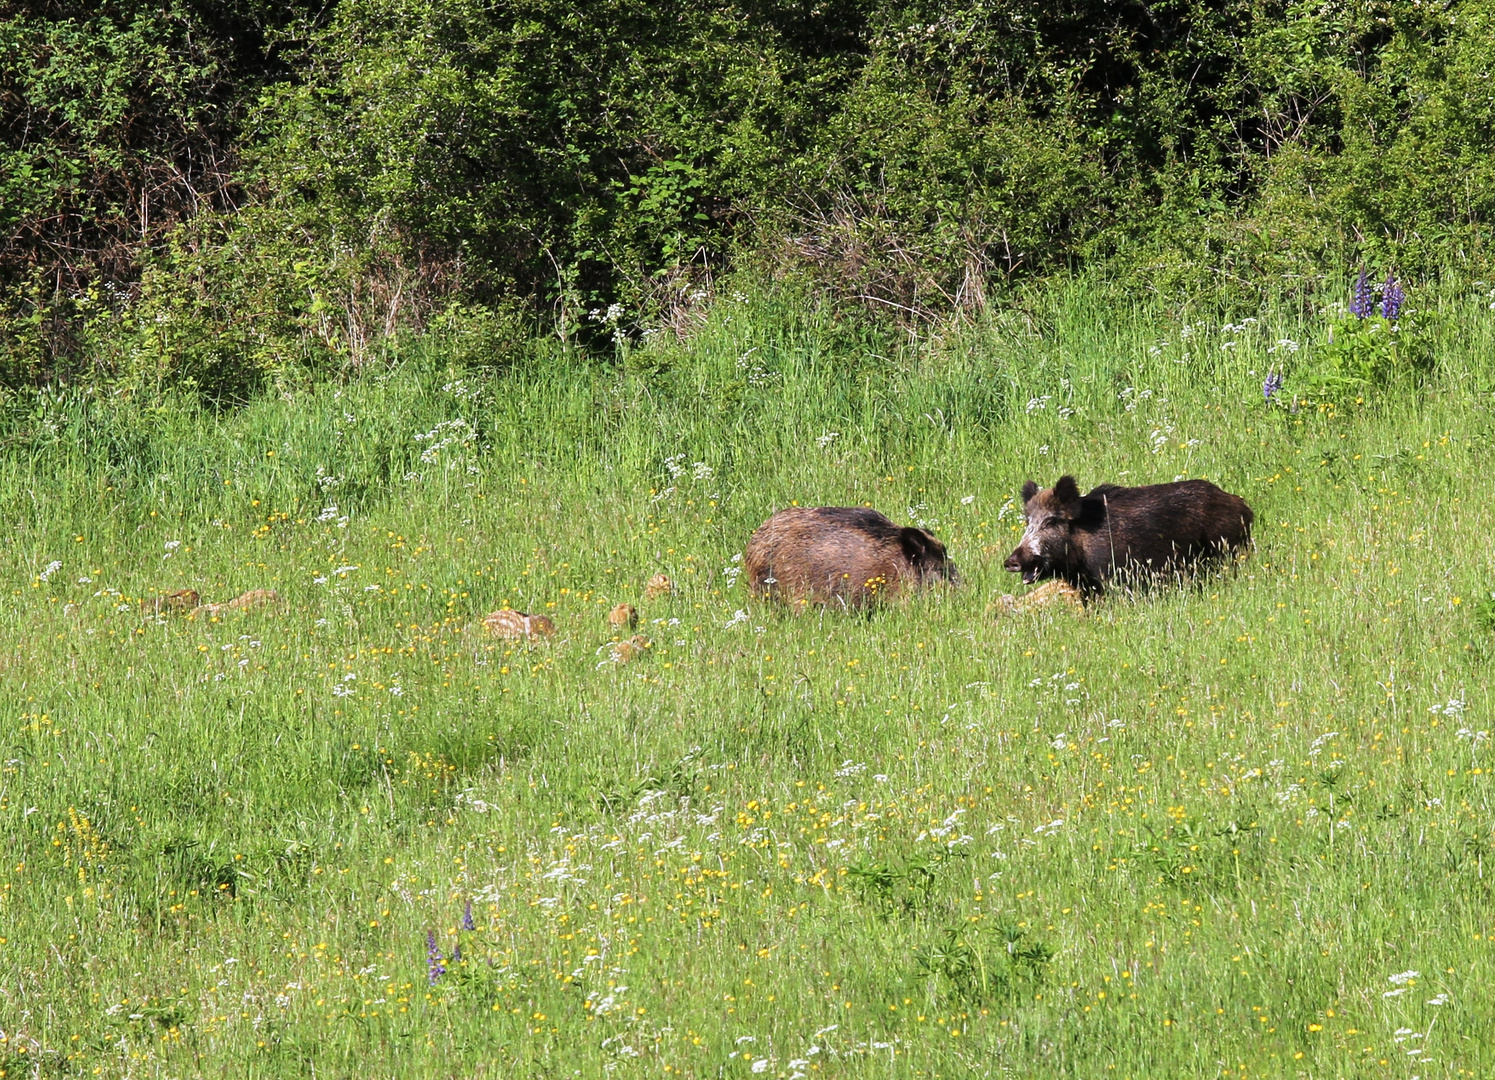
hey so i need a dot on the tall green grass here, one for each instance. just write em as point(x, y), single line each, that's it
point(1206, 830)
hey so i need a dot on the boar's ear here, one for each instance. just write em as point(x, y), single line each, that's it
point(1067, 494)
point(1030, 489)
point(917, 545)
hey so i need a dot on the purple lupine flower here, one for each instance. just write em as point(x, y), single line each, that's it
point(435, 969)
point(1360, 305)
point(1271, 384)
point(1392, 298)
point(467, 923)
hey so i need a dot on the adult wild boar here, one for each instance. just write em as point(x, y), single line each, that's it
point(1133, 531)
point(849, 556)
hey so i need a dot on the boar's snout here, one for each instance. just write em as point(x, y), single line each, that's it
point(942, 571)
point(1022, 562)
point(928, 558)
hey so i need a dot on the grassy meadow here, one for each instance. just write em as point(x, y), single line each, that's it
point(1235, 828)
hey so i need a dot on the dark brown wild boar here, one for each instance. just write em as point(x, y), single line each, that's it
point(1157, 529)
point(849, 556)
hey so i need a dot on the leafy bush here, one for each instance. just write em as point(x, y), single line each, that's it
point(120, 122)
point(322, 183)
point(110, 131)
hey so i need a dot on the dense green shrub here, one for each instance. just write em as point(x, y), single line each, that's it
point(119, 122)
point(382, 159)
point(543, 148)
point(108, 121)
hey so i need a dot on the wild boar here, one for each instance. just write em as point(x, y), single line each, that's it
point(179, 602)
point(1054, 594)
point(516, 624)
point(254, 598)
point(847, 556)
point(1131, 531)
point(624, 616)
